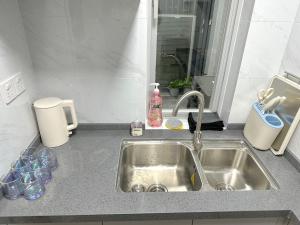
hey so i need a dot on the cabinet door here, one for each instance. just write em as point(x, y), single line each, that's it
point(149, 222)
point(243, 221)
point(69, 223)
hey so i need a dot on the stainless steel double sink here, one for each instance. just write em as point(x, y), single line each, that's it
point(173, 166)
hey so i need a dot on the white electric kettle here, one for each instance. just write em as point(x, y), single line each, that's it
point(52, 121)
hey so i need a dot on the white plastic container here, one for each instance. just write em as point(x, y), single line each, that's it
point(262, 129)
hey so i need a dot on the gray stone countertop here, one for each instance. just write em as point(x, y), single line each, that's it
point(84, 186)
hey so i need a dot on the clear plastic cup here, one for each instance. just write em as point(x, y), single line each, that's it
point(12, 185)
point(44, 174)
point(47, 158)
point(33, 186)
point(38, 162)
point(20, 166)
point(32, 161)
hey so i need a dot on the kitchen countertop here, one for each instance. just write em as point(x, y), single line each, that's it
point(84, 187)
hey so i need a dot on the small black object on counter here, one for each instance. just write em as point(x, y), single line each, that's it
point(217, 125)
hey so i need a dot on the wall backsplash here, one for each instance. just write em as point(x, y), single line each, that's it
point(94, 52)
point(291, 63)
point(269, 32)
point(17, 125)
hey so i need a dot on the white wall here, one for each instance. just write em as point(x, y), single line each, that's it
point(291, 63)
point(291, 60)
point(267, 39)
point(17, 126)
point(272, 47)
point(94, 52)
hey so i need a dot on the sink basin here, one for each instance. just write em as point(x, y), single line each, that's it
point(174, 166)
point(230, 165)
point(157, 166)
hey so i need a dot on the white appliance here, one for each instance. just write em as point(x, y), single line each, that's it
point(52, 121)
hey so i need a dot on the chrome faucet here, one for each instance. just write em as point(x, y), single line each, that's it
point(197, 134)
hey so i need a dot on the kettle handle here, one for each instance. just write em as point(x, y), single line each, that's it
point(70, 104)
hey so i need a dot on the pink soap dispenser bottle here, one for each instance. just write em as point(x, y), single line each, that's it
point(155, 108)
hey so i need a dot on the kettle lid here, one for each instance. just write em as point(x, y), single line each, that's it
point(45, 103)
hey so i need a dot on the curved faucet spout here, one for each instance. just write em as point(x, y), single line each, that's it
point(197, 134)
point(178, 61)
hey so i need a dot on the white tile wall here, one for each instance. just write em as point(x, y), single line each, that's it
point(264, 49)
point(267, 39)
point(297, 20)
point(17, 125)
point(275, 10)
point(244, 96)
point(94, 52)
point(291, 63)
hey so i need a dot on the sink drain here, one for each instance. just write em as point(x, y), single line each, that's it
point(157, 188)
point(224, 187)
point(138, 188)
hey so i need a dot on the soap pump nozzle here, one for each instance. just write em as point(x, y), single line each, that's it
point(156, 90)
point(155, 85)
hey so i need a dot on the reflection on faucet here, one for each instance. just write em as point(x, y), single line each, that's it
point(197, 134)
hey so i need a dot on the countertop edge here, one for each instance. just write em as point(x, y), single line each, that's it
point(151, 216)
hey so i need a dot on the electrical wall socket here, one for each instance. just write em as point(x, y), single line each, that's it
point(7, 90)
point(19, 84)
point(11, 88)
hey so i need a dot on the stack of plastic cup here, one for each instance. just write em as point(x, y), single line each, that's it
point(29, 174)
